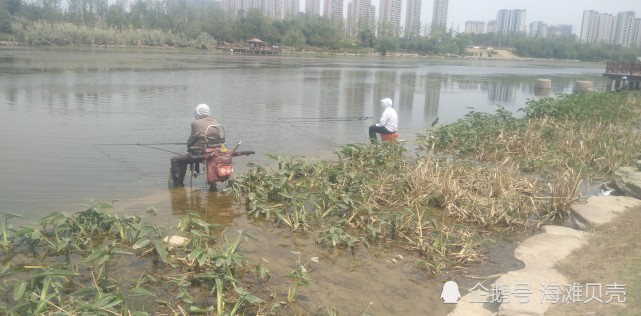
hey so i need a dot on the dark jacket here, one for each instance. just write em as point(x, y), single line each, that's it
point(197, 141)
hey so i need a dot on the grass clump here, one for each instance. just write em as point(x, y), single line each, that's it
point(96, 262)
point(485, 171)
point(560, 142)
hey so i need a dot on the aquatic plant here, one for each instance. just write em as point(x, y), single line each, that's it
point(369, 194)
point(65, 264)
point(299, 276)
point(491, 170)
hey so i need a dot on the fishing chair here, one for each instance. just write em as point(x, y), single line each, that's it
point(390, 138)
point(216, 158)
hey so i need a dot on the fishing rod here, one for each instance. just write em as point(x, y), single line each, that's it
point(139, 144)
point(323, 119)
point(144, 145)
point(152, 147)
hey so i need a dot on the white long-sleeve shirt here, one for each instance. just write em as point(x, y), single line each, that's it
point(389, 118)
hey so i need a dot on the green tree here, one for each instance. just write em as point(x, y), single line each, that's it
point(5, 21)
point(12, 7)
point(255, 24)
point(386, 44)
point(366, 37)
point(294, 39)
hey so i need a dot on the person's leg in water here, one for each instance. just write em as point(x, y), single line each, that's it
point(373, 130)
point(179, 168)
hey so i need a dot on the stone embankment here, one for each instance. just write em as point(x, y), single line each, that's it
point(530, 291)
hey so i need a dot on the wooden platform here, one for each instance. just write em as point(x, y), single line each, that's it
point(616, 71)
point(252, 50)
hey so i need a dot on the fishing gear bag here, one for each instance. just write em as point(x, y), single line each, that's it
point(219, 166)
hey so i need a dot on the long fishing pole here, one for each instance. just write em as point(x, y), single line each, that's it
point(323, 119)
point(143, 145)
point(152, 147)
point(140, 144)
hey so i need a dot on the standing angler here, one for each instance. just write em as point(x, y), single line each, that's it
point(202, 129)
point(388, 123)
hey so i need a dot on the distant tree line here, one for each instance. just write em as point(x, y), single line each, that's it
point(203, 24)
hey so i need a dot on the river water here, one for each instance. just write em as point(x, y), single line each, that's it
point(56, 106)
point(71, 122)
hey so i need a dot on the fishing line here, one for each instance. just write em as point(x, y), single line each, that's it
point(323, 119)
point(125, 163)
point(139, 144)
point(128, 166)
point(148, 145)
point(298, 129)
point(152, 147)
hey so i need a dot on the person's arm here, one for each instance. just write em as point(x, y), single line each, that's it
point(384, 118)
point(193, 137)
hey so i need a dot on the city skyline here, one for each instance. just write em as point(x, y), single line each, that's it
point(548, 11)
point(457, 13)
point(551, 12)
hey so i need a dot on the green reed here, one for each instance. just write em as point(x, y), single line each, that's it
point(490, 170)
point(562, 141)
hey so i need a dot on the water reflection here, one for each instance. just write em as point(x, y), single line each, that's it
point(102, 96)
point(500, 92)
point(542, 92)
point(213, 207)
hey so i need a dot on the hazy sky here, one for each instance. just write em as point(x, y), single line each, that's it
point(551, 12)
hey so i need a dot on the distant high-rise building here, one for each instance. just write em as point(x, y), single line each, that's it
point(510, 21)
point(439, 14)
point(608, 29)
point(275, 9)
point(605, 28)
point(624, 24)
point(554, 31)
point(231, 8)
point(538, 29)
point(272, 9)
point(636, 33)
point(312, 7)
point(491, 26)
point(566, 30)
point(360, 16)
point(371, 17)
point(290, 8)
point(589, 26)
point(390, 13)
point(251, 4)
point(334, 10)
point(413, 18)
point(475, 27)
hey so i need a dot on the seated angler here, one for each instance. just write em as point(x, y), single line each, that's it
point(202, 129)
point(388, 123)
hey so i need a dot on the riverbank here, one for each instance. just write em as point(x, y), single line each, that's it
point(358, 204)
point(499, 54)
point(589, 267)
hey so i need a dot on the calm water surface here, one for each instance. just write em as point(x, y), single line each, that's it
point(57, 106)
point(70, 122)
